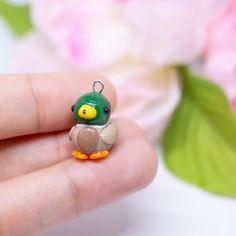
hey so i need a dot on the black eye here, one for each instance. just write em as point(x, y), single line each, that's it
point(73, 108)
point(107, 110)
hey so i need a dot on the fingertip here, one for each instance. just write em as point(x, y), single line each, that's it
point(42, 102)
point(128, 129)
point(148, 164)
point(141, 163)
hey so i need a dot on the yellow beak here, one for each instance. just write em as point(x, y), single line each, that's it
point(87, 112)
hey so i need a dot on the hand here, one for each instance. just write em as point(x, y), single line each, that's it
point(41, 185)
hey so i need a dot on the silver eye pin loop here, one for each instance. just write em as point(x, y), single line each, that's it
point(96, 83)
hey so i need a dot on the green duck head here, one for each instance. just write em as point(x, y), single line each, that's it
point(92, 108)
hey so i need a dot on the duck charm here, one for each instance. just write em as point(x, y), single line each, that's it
point(94, 134)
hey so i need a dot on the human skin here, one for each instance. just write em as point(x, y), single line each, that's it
point(41, 185)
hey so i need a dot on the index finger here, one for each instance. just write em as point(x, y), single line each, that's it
point(38, 103)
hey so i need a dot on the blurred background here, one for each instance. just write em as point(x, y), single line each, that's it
point(137, 44)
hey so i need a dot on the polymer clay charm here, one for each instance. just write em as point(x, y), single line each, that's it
point(94, 134)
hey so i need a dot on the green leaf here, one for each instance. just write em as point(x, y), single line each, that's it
point(16, 16)
point(199, 144)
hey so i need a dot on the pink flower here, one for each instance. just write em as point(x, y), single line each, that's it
point(220, 58)
point(99, 33)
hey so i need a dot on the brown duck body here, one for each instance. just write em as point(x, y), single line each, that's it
point(88, 138)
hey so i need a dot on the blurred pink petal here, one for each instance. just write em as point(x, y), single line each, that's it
point(149, 97)
point(89, 34)
point(233, 104)
point(170, 31)
point(220, 58)
point(34, 54)
point(99, 33)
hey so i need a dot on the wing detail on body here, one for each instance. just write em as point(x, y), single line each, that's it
point(109, 133)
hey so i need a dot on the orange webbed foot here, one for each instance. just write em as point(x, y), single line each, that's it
point(79, 155)
point(99, 154)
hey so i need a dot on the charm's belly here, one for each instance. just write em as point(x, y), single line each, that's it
point(88, 139)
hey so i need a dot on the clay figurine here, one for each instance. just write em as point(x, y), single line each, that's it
point(94, 134)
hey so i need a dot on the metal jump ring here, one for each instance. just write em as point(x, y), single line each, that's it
point(100, 83)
